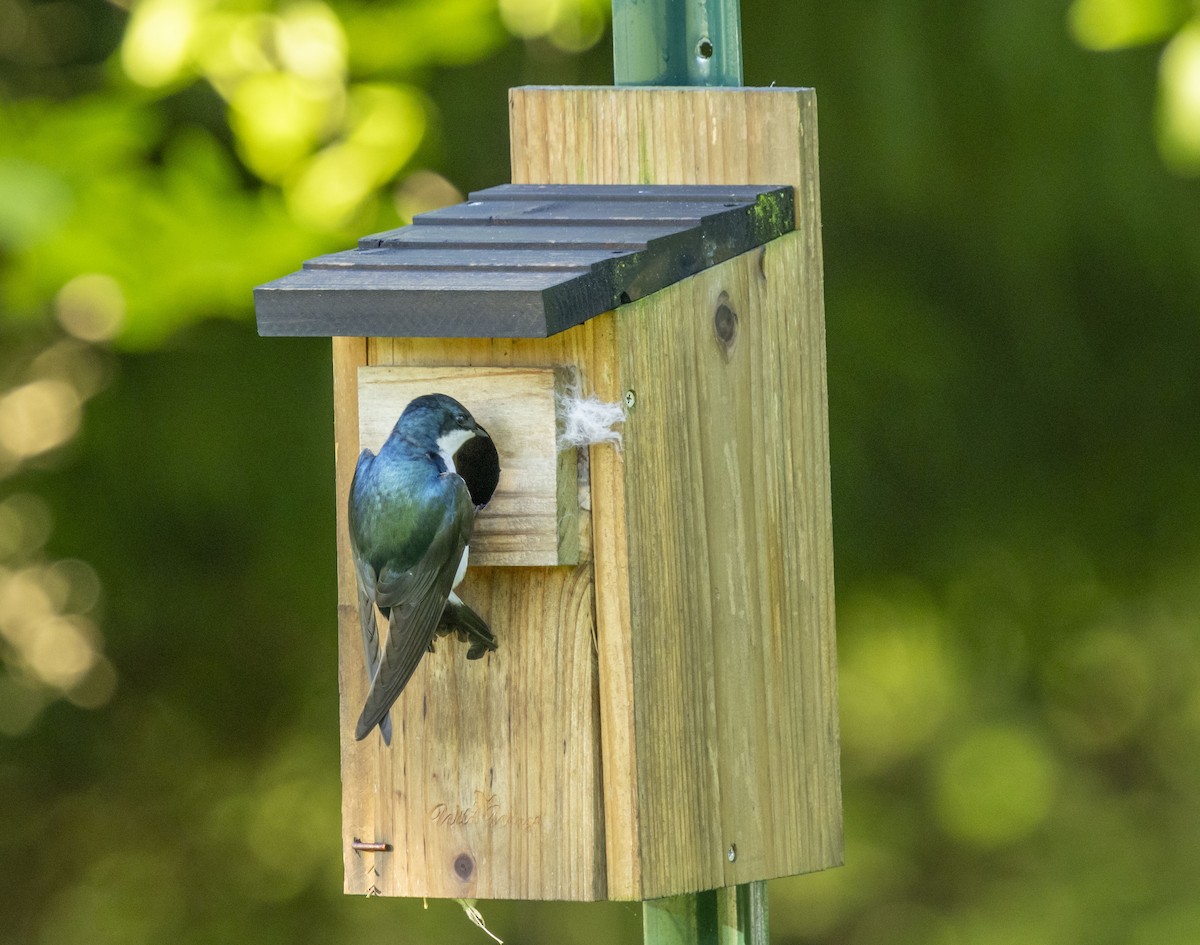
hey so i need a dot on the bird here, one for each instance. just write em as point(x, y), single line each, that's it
point(411, 514)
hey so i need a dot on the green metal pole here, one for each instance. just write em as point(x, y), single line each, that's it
point(689, 42)
point(677, 42)
point(733, 916)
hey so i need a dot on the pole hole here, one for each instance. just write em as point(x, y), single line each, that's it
point(704, 48)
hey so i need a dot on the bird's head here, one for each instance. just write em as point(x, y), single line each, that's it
point(464, 446)
point(441, 419)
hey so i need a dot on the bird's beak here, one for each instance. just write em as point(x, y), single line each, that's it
point(480, 431)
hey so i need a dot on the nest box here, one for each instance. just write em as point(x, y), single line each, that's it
point(661, 714)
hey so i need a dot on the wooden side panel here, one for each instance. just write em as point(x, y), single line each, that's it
point(735, 674)
point(729, 617)
point(360, 816)
point(521, 525)
point(491, 787)
point(614, 632)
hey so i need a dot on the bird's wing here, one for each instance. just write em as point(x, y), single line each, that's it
point(365, 576)
point(370, 631)
point(416, 597)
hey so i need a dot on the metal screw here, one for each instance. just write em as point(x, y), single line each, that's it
point(630, 399)
point(732, 854)
point(363, 846)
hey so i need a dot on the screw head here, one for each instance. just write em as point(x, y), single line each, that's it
point(630, 399)
point(732, 854)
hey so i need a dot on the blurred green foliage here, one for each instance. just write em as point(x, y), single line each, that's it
point(1013, 280)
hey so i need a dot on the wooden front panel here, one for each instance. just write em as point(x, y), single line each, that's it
point(492, 785)
point(533, 516)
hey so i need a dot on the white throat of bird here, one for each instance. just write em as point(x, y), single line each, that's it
point(448, 444)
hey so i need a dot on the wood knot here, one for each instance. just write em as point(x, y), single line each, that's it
point(464, 866)
point(725, 325)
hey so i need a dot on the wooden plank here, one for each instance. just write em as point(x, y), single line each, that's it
point(644, 192)
point(487, 791)
point(368, 307)
point(503, 282)
point(360, 814)
point(763, 565)
point(521, 236)
point(527, 523)
point(614, 631)
point(734, 667)
point(612, 626)
point(679, 136)
point(673, 213)
point(375, 301)
point(451, 259)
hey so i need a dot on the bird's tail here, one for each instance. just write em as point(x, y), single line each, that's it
point(409, 631)
point(460, 619)
point(371, 652)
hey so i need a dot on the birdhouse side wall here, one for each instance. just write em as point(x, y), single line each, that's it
point(731, 576)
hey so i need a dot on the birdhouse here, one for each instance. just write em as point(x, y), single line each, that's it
point(660, 715)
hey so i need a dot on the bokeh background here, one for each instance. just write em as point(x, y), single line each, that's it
point(1012, 248)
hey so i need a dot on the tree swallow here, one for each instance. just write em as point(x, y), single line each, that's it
point(411, 514)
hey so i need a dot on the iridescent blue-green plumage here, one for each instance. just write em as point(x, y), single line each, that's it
point(411, 517)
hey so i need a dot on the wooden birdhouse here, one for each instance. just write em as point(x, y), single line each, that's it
point(660, 716)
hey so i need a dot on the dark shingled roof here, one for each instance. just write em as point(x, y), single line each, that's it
point(523, 260)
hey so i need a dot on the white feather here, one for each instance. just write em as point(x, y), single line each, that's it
point(449, 443)
point(587, 421)
point(458, 575)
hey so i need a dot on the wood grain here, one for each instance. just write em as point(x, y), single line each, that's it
point(539, 155)
point(359, 807)
point(735, 679)
point(717, 662)
point(529, 521)
point(492, 786)
point(607, 135)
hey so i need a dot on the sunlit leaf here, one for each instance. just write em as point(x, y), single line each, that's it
point(1116, 24)
point(34, 202)
point(158, 40)
point(1179, 101)
point(995, 786)
point(386, 125)
point(279, 118)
